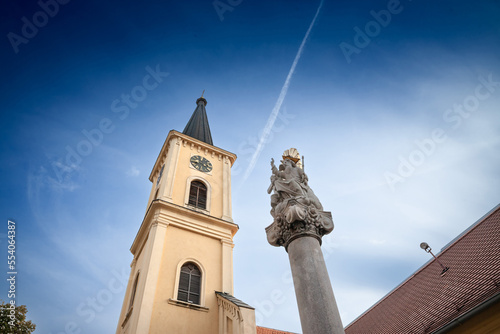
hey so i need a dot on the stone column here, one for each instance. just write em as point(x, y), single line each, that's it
point(313, 290)
point(299, 224)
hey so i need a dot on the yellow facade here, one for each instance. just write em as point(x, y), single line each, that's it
point(486, 321)
point(178, 172)
point(174, 233)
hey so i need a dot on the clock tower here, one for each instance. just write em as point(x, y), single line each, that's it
point(181, 278)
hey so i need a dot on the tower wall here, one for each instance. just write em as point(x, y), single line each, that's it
point(177, 233)
point(184, 246)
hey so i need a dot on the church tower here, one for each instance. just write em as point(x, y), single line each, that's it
point(181, 278)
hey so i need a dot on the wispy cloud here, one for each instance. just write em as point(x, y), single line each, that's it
point(133, 171)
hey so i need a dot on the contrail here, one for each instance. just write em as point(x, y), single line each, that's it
point(279, 102)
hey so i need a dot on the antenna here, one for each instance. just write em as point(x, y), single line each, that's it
point(202, 93)
point(425, 246)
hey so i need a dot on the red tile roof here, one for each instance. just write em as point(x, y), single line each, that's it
point(264, 330)
point(426, 301)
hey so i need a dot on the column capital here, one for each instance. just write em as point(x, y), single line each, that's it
point(227, 242)
point(284, 230)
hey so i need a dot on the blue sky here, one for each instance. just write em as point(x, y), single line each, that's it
point(401, 137)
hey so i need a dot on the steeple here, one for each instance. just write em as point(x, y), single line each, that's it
point(181, 277)
point(197, 127)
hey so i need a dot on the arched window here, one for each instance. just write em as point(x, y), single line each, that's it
point(134, 289)
point(198, 195)
point(189, 284)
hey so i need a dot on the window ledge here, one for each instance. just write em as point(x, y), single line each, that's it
point(187, 305)
point(127, 316)
point(197, 209)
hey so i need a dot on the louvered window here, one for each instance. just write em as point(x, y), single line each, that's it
point(189, 284)
point(198, 195)
point(134, 289)
point(159, 176)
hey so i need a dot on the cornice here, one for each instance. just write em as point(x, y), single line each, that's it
point(186, 140)
point(165, 213)
point(229, 307)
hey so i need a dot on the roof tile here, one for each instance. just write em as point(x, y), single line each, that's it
point(427, 301)
point(264, 330)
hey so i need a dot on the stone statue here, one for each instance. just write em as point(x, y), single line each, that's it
point(299, 224)
point(294, 206)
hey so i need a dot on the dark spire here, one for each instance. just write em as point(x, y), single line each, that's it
point(197, 127)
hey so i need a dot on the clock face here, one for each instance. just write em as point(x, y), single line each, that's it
point(201, 163)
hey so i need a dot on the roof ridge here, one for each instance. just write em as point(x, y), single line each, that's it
point(470, 228)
